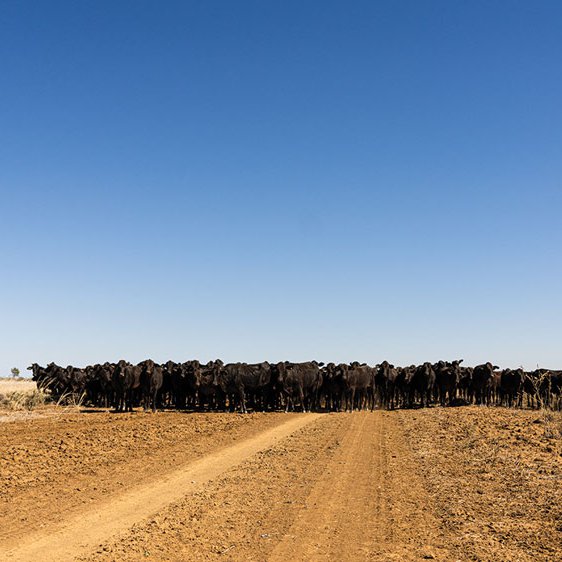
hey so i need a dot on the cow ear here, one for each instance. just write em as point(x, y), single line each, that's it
point(321, 364)
point(495, 367)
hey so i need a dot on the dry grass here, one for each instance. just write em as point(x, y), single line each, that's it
point(552, 423)
point(22, 400)
point(26, 400)
point(24, 395)
point(20, 396)
point(16, 385)
point(70, 401)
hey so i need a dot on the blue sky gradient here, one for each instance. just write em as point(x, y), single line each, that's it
point(292, 180)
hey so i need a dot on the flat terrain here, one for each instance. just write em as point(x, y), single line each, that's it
point(16, 385)
point(441, 483)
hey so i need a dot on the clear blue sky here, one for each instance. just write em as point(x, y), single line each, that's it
point(281, 180)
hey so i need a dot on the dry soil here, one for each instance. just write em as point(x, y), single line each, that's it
point(441, 483)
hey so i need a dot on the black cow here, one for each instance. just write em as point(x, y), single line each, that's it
point(332, 387)
point(208, 386)
point(422, 384)
point(151, 378)
point(126, 383)
point(241, 380)
point(358, 386)
point(300, 382)
point(385, 384)
point(481, 383)
point(511, 387)
point(447, 377)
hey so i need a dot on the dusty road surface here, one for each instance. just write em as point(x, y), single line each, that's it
point(441, 484)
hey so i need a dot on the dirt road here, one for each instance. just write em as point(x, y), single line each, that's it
point(358, 507)
point(365, 486)
point(333, 491)
point(80, 534)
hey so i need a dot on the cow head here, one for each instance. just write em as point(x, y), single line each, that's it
point(35, 370)
point(215, 368)
point(342, 370)
point(279, 371)
point(120, 368)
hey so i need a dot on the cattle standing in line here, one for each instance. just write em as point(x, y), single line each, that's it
point(295, 386)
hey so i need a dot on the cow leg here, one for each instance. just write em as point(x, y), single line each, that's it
point(154, 394)
point(301, 398)
point(242, 398)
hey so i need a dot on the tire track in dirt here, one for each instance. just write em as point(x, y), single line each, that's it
point(68, 462)
point(240, 515)
point(79, 535)
point(369, 504)
point(333, 519)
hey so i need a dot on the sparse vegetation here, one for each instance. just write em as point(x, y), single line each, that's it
point(23, 400)
point(71, 400)
point(552, 421)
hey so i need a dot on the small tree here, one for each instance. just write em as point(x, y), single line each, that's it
point(15, 372)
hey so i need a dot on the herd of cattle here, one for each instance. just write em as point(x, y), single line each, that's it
point(296, 386)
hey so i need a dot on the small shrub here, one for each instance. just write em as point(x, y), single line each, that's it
point(552, 422)
point(23, 400)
